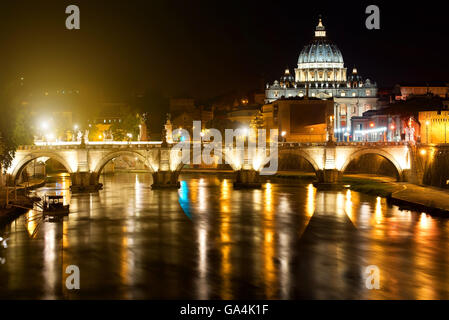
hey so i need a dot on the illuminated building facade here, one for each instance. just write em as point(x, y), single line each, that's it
point(406, 90)
point(378, 126)
point(299, 119)
point(321, 74)
point(434, 126)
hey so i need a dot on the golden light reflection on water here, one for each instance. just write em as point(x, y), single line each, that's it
point(378, 214)
point(407, 247)
point(202, 264)
point(202, 196)
point(32, 222)
point(423, 258)
point(63, 188)
point(65, 248)
point(268, 251)
point(309, 209)
point(341, 204)
point(50, 261)
point(225, 245)
point(348, 206)
point(127, 258)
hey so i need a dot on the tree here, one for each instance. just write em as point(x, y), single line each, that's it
point(257, 122)
point(15, 128)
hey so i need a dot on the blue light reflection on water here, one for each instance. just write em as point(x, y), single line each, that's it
point(184, 199)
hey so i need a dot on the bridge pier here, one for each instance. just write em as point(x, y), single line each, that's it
point(408, 176)
point(85, 182)
point(247, 179)
point(329, 179)
point(165, 180)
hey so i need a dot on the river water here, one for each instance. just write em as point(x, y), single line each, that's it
point(209, 241)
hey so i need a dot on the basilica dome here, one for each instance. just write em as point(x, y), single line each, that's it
point(320, 49)
point(321, 61)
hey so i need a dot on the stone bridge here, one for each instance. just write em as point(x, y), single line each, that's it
point(85, 162)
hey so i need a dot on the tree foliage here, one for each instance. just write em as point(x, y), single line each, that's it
point(15, 127)
point(258, 121)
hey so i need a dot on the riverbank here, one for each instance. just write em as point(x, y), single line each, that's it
point(8, 215)
point(407, 196)
point(371, 185)
point(423, 198)
point(23, 201)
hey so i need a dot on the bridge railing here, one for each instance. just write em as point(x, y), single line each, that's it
point(145, 144)
point(76, 144)
point(376, 144)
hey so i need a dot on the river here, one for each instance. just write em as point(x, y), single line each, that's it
point(209, 241)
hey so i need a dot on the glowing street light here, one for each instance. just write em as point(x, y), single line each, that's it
point(44, 125)
point(283, 133)
point(75, 127)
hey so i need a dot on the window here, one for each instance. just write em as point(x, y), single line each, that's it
point(343, 94)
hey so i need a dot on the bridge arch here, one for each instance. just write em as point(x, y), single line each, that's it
point(384, 154)
point(225, 155)
point(21, 164)
point(115, 154)
point(300, 153)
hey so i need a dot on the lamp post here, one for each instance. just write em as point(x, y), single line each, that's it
point(283, 133)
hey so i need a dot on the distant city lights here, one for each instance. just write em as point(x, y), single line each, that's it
point(375, 130)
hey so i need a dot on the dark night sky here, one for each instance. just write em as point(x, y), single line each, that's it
point(211, 47)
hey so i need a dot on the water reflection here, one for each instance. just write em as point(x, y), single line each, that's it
point(209, 241)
